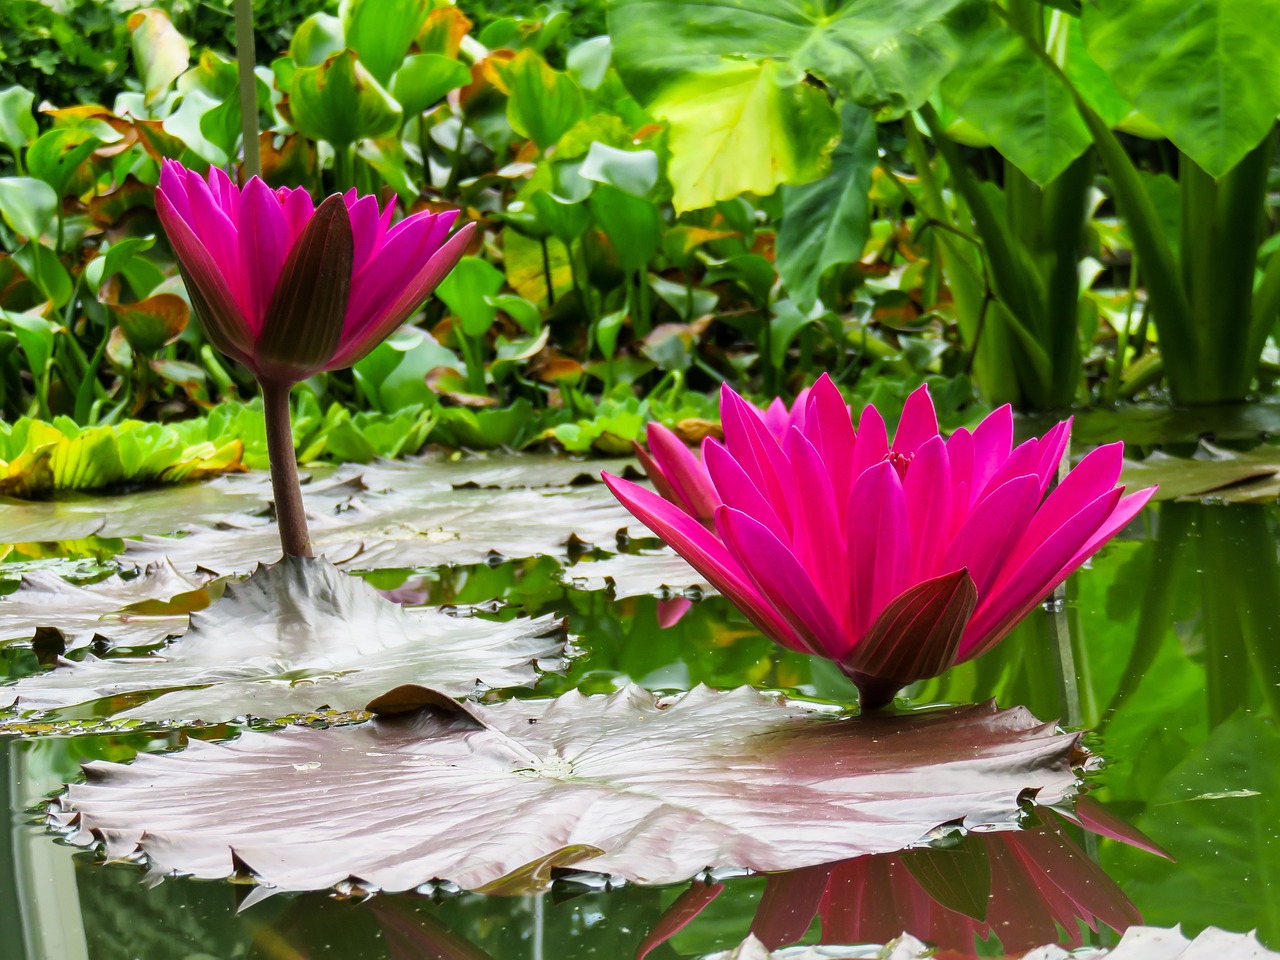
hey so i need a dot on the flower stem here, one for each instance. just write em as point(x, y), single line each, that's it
point(290, 515)
point(247, 60)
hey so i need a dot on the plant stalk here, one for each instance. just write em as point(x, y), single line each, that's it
point(247, 59)
point(290, 514)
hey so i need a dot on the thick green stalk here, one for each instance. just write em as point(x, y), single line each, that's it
point(247, 59)
point(1240, 216)
point(291, 516)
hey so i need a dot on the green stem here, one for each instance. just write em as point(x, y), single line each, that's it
point(247, 59)
point(455, 171)
point(344, 166)
point(546, 272)
point(1112, 390)
point(291, 516)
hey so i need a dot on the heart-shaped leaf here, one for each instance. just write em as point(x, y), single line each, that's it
point(494, 798)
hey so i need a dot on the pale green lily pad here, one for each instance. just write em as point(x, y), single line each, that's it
point(660, 574)
point(493, 798)
point(293, 638)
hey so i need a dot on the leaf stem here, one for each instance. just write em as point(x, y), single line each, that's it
point(290, 514)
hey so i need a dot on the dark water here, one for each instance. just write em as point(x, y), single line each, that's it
point(1167, 648)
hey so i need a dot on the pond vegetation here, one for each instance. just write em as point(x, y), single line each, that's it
point(732, 480)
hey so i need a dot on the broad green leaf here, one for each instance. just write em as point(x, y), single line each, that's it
point(1021, 108)
point(160, 52)
point(632, 224)
point(825, 223)
point(543, 103)
point(886, 56)
point(393, 375)
point(784, 326)
point(1066, 44)
point(425, 78)
point(744, 128)
point(29, 206)
point(381, 31)
point(1208, 73)
point(113, 258)
point(188, 124)
point(632, 171)
point(45, 270)
point(610, 772)
point(35, 334)
point(56, 157)
point(567, 220)
point(317, 38)
point(468, 291)
point(341, 102)
point(17, 125)
point(588, 62)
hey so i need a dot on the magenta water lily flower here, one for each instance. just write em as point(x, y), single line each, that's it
point(895, 560)
point(290, 289)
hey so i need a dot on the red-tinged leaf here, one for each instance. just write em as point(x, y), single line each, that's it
point(1096, 818)
point(303, 324)
point(958, 877)
point(496, 797)
point(686, 909)
point(914, 638)
point(152, 324)
point(789, 904)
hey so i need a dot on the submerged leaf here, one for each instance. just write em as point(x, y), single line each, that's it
point(496, 797)
point(293, 638)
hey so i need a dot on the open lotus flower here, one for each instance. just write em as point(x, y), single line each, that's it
point(289, 288)
point(894, 560)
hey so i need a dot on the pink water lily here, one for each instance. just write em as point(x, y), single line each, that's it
point(289, 288)
point(895, 560)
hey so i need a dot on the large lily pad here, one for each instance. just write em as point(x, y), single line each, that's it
point(493, 798)
point(662, 573)
point(413, 527)
point(293, 638)
point(124, 611)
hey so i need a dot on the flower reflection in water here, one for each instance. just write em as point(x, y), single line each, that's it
point(1027, 887)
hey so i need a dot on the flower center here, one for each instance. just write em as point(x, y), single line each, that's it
point(900, 462)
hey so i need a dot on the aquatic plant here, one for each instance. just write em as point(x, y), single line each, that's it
point(894, 560)
point(290, 289)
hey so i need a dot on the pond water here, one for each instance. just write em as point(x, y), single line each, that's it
point(1166, 648)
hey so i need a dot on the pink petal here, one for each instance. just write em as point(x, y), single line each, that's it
point(992, 443)
point(829, 427)
point(819, 543)
point(683, 472)
point(377, 287)
point(879, 543)
point(736, 488)
point(992, 531)
point(366, 228)
point(265, 242)
point(706, 554)
point(926, 489)
point(872, 441)
point(757, 451)
point(919, 422)
point(298, 209)
point(776, 418)
point(1024, 583)
point(1053, 446)
point(361, 336)
point(780, 578)
point(218, 235)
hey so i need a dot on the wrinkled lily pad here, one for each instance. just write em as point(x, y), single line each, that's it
point(126, 612)
point(1138, 943)
point(293, 638)
point(638, 575)
point(413, 527)
point(492, 798)
point(1225, 475)
point(503, 471)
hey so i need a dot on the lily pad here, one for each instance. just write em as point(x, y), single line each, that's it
point(293, 638)
point(413, 527)
point(1225, 475)
point(493, 798)
point(663, 574)
point(125, 609)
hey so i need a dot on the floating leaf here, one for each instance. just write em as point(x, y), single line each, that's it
point(638, 575)
point(126, 610)
point(494, 798)
point(413, 526)
point(1226, 475)
point(293, 638)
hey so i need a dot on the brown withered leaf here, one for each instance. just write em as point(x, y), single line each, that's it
point(493, 798)
point(295, 637)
